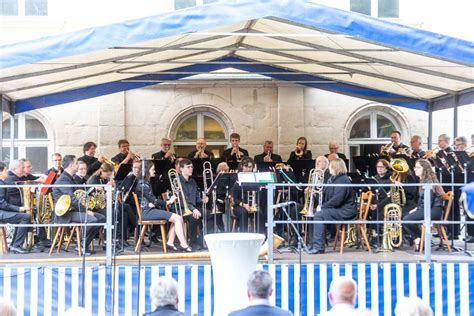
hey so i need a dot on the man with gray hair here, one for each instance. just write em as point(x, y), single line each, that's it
point(259, 289)
point(342, 297)
point(164, 297)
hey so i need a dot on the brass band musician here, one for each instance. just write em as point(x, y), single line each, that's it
point(93, 163)
point(125, 155)
point(396, 146)
point(301, 151)
point(201, 153)
point(242, 198)
point(56, 160)
point(415, 145)
point(333, 149)
point(81, 175)
point(165, 152)
point(267, 155)
point(235, 153)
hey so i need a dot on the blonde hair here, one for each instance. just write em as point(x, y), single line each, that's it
point(338, 166)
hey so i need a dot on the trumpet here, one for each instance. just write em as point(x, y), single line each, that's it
point(299, 152)
point(238, 153)
point(177, 189)
point(105, 159)
point(431, 153)
point(385, 150)
point(268, 157)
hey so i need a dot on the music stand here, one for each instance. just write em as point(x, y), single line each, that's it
point(301, 168)
point(122, 172)
point(266, 166)
point(233, 165)
point(223, 182)
point(365, 164)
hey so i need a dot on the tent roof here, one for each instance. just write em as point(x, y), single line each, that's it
point(294, 41)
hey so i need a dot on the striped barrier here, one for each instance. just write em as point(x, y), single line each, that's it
point(448, 287)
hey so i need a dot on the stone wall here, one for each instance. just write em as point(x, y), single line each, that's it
point(257, 111)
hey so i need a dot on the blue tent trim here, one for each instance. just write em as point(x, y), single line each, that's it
point(218, 14)
point(128, 84)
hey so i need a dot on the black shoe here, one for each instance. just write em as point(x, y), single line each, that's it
point(18, 250)
point(45, 243)
point(315, 251)
point(37, 248)
point(188, 249)
point(88, 252)
point(171, 248)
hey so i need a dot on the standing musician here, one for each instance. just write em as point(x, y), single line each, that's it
point(193, 199)
point(235, 153)
point(333, 148)
point(460, 143)
point(165, 153)
point(415, 145)
point(301, 151)
point(127, 186)
point(338, 203)
point(424, 172)
point(396, 146)
point(241, 197)
point(267, 155)
point(57, 168)
point(93, 163)
point(125, 155)
point(12, 214)
point(153, 208)
point(81, 175)
point(77, 213)
point(200, 153)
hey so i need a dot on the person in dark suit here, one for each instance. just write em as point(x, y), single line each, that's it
point(259, 289)
point(338, 203)
point(235, 153)
point(267, 155)
point(93, 163)
point(164, 297)
point(13, 214)
point(333, 148)
point(81, 174)
point(56, 159)
point(77, 213)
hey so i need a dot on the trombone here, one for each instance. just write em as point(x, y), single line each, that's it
point(208, 177)
point(177, 190)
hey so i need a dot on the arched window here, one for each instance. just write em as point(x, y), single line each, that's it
point(369, 130)
point(31, 141)
point(200, 124)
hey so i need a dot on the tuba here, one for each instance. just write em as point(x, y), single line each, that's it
point(392, 231)
point(177, 190)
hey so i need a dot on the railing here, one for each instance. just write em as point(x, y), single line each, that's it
point(108, 226)
point(426, 222)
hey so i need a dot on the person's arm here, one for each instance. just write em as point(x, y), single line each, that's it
point(4, 205)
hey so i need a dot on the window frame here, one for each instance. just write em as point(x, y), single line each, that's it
point(200, 129)
point(374, 10)
point(21, 11)
point(373, 127)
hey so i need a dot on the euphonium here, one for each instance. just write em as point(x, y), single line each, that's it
point(392, 230)
point(177, 189)
point(309, 194)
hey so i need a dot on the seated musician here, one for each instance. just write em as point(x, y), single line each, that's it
point(93, 163)
point(193, 199)
point(12, 214)
point(443, 143)
point(125, 155)
point(201, 153)
point(267, 155)
point(301, 151)
point(415, 145)
point(333, 148)
point(338, 203)
point(235, 153)
point(56, 159)
point(127, 186)
point(102, 176)
point(27, 175)
point(382, 177)
point(77, 213)
point(396, 146)
point(424, 172)
point(241, 205)
point(153, 208)
point(81, 175)
point(15, 175)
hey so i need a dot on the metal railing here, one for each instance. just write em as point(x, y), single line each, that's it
point(108, 226)
point(426, 222)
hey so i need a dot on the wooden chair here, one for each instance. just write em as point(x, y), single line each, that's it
point(364, 208)
point(3, 239)
point(59, 238)
point(443, 236)
point(147, 223)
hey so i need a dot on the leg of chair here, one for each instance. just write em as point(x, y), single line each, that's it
point(163, 236)
point(61, 238)
point(234, 223)
point(365, 240)
point(140, 239)
point(444, 237)
point(337, 237)
point(4, 240)
point(56, 236)
point(343, 238)
point(422, 239)
point(77, 229)
point(71, 235)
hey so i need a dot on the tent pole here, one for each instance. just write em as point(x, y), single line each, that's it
point(1, 133)
point(455, 116)
point(430, 124)
point(12, 138)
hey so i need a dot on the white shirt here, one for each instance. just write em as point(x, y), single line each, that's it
point(259, 301)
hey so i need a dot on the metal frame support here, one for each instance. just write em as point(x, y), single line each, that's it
point(12, 137)
point(427, 223)
point(430, 124)
point(270, 193)
point(455, 115)
point(108, 227)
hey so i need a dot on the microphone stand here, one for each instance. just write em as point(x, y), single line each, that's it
point(301, 244)
point(83, 279)
point(139, 232)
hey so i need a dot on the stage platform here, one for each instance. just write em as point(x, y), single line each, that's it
point(44, 285)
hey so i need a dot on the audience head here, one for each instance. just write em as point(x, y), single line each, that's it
point(164, 292)
point(337, 167)
point(343, 290)
point(322, 163)
point(333, 147)
point(7, 308)
point(259, 285)
point(412, 306)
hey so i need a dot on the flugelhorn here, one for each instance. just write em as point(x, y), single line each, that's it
point(385, 150)
point(177, 189)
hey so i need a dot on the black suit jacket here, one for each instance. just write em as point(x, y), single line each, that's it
point(261, 310)
point(340, 155)
point(66, 179)
point(232, 157)
point(14, 195)
point(93, 164)
point(341, 198)
point(5, 204)
point(275, 158)
point(167, 310)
